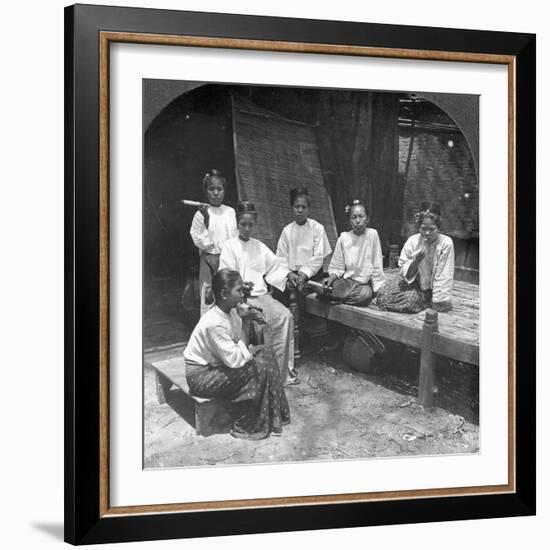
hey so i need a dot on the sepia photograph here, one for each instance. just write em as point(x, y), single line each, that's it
point(310, 274)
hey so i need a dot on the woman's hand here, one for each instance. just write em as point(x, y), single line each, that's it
point(243, 310)
point(247, 288)
point(204, 211)
point(421, 254)
point(254, 349)
point(251, 313)
point(302, 279)
point(292, 279)
point(328, 282)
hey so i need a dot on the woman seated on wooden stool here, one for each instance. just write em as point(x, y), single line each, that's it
point(355, 270)
point(303, 244)
point(426, 272)
point(258, 266)
point(219, 364)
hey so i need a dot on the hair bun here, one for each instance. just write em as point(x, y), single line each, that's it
point(428, 209)
point(432, 207)
point(246, 207)
point(211, 174)
point(298, 192)
point(354, 202)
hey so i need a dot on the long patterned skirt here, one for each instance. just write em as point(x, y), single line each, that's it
point(398, 295)
point(260, 403)
point(278, 332)
point(349, 291)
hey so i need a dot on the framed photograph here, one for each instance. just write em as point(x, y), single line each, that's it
point(299, 274)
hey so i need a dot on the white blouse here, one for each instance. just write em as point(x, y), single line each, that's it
point(359, 257)
point(222, 226)
point(255, 262)
point(216, 340)
point(436, 270)
point(304, 247)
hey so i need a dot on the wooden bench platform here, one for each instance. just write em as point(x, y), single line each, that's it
point(454, 334)
point(172, 372)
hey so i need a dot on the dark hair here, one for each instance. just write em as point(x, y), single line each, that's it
point(298, 192)
point(429, 210)
point(209, 176)
point(356, 202)
point(246, 207)
point(224, 279)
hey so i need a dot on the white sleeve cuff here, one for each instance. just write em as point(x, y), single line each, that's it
point(247, 356)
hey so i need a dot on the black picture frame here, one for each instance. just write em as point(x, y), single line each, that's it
point(87, 521)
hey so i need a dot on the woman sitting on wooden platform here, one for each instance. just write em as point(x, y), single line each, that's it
point(355, 270)
point(219, 364)
point(258, 266)
point(303, 244)
point(426, 271)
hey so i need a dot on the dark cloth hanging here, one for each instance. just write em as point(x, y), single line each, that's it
point(359, 151)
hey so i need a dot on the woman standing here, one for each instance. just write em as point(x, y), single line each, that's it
point(355, 270)
point(212, 225)
point(258, 267)
point(219, 365)
point(426, 271)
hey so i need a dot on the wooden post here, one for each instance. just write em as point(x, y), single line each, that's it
point(163, 387)
point(426, 381)
point(294, 308)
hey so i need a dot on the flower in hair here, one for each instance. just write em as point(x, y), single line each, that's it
point(422, 214)
point(353, 203)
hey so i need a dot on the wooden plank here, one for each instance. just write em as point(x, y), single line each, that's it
point(360, 318)
point(407, 329)
point(174, 370)
point(466, 352)
point(456, 336)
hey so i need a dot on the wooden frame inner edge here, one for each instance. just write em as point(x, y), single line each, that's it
point(105, 39)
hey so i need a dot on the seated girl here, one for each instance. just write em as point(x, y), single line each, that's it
point(258, 267)
point(426, 272)
point(212, 225)
point(303, 244)
point(355, 270)
point(219, 365)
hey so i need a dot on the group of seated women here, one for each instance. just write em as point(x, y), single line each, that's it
point(221, 362)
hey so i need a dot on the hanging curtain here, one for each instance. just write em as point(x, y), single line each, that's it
point(359, 147)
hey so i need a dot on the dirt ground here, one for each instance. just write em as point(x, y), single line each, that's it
point(337, 413)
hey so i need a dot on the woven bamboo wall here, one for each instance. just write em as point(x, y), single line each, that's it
point(442, 174)
point(272, 156)
point(445, 175)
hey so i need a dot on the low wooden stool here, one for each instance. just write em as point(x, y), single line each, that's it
point(172, 372)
